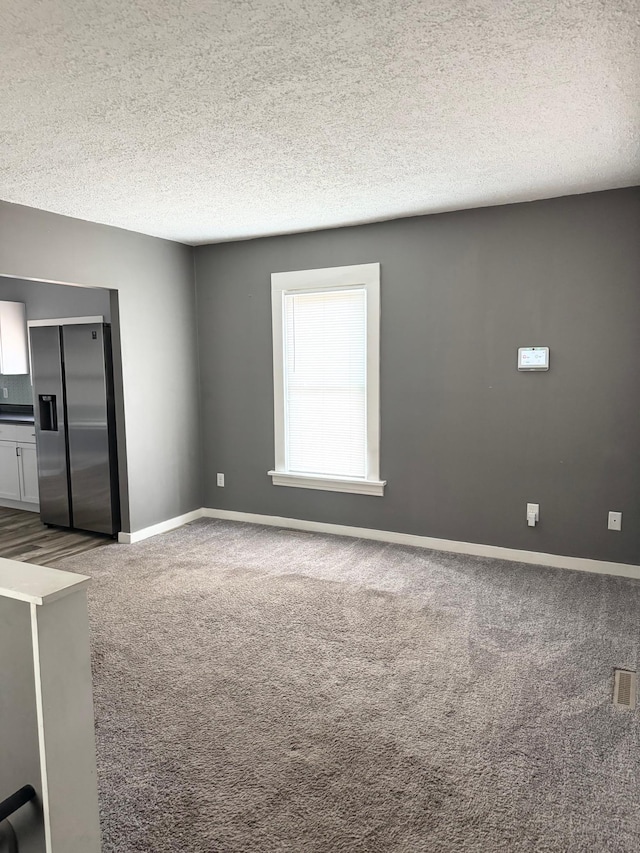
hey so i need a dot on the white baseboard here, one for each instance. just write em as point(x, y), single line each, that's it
point(161, 527)
point(474, 549)
point(557, 561)
point(28, 506)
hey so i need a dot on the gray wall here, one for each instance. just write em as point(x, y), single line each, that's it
point(46, 301)
point(153, 280)
point(467, 441)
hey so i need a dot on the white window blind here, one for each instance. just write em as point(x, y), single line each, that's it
point(325, 382)
point(326, 379)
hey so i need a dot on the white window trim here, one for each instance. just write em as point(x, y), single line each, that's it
point(331, 278)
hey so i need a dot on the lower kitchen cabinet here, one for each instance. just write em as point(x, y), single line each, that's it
point(28, 472)
point(9, 471)
point(18, 465)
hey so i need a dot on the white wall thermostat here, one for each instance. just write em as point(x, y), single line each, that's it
point(533, 358)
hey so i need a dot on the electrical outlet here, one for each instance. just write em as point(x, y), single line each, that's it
point(615, 521)
point(220, 479)
point(5, 393)
point(533, 514)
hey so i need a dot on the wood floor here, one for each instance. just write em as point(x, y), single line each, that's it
point(23, 537)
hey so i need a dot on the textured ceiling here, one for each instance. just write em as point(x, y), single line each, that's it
point(204, 121)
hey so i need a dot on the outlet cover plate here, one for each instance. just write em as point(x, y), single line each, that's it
point(615, 521)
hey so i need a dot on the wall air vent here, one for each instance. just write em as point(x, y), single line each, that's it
point(625, 688)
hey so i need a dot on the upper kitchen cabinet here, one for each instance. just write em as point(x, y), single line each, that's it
point(14, 347)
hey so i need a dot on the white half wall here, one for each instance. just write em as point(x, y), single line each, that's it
point(47, 735)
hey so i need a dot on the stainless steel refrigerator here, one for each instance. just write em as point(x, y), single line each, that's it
point(75, 426)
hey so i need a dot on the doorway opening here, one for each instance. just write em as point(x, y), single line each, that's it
point(24, 466)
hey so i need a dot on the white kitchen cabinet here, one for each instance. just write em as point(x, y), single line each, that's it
point(18, 466)
point(14, 347)
point(28, 472)
point(9, 473)
point(21, 434)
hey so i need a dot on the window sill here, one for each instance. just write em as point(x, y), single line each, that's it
point(328, 484)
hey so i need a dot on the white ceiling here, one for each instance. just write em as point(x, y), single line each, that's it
point(202, 121)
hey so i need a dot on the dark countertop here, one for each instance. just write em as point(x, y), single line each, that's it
point(16, 414)
point(16, 419)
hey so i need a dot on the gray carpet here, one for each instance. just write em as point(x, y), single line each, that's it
point(261, 690)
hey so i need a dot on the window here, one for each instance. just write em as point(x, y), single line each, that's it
point(326, 332)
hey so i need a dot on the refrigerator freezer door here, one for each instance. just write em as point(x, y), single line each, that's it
point(49, 420)
point(87, 388)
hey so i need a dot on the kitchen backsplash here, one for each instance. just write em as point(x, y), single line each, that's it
point(18, 390)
